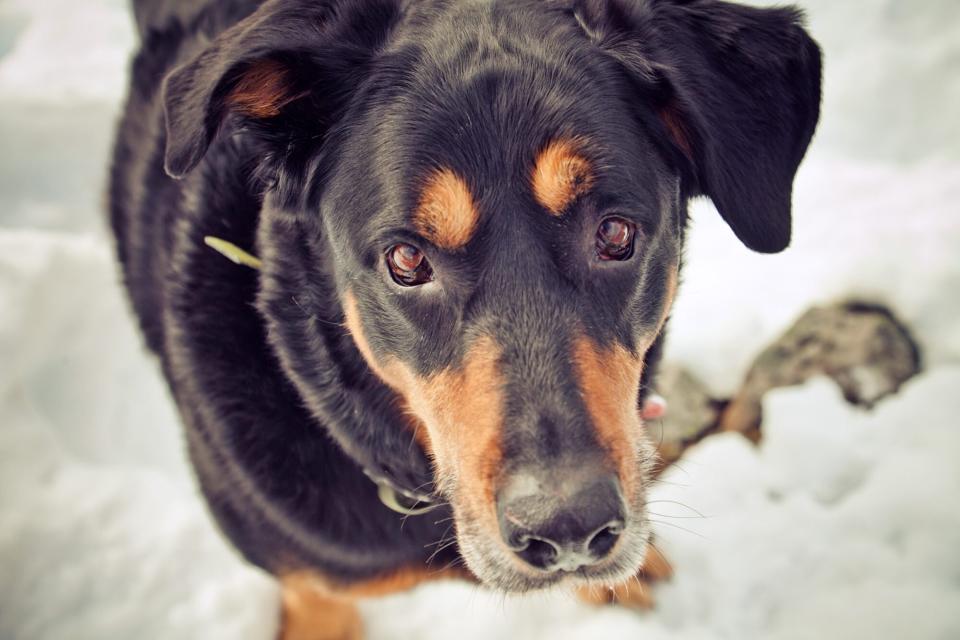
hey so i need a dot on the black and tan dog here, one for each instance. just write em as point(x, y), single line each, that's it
point(469, 218)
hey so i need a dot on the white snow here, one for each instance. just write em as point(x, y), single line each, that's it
point(842, 524)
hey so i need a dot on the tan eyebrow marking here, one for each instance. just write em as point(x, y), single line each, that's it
point(446, 214)
point(560, 175)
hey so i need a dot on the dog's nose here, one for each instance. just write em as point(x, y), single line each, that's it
point(561, 526)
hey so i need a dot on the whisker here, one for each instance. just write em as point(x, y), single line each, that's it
point(422, 486)
point(444, 542)
point(442, 539)
point(659, 553)
point(660, 480)
point(450, 565)
point(679, 466)
point(676, 526)
point(685, 506)
point(448, 544)
point(666, 515)
point(659, 422)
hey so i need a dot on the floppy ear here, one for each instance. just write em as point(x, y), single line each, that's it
point(737, 92)
point(283, 72)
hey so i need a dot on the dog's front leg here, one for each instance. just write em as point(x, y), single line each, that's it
point(311, 613)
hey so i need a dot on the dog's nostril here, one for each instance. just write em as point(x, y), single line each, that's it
point(538, 553)
point(603, 540)
point(519, 542)
point(562, 525)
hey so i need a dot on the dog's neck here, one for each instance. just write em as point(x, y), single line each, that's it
point(405, 501)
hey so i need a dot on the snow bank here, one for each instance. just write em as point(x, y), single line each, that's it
point(102, 534)
point(61, 51)
point(62, 80)
point(890, 78)
point(841, 525)
point(871, 231)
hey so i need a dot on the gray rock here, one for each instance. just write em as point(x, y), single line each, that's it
point(861, 346)
point(691, 412)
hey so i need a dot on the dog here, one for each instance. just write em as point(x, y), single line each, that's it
point(455, 231)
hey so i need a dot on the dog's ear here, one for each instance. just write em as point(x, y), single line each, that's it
point(284, 72)
point(737, 92)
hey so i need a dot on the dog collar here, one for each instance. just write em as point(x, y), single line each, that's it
point(409, 503)
point(393, 497)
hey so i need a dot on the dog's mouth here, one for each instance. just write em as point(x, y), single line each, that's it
point(574, 522)
point(505, 575)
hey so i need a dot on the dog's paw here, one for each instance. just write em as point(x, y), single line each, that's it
point(635, 593)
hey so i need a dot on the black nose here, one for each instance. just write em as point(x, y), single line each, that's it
point(556, 523)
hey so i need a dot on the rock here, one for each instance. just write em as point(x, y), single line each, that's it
point(691, 412)
point(861, 346)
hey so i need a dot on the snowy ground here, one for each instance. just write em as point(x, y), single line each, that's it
point(841, 525)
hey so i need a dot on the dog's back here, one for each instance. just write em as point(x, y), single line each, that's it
point(144, 203)
point(196, 311)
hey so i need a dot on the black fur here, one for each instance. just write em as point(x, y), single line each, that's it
point(281, 412)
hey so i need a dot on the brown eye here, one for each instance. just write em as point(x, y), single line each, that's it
point(408, 266)
point(615, 239)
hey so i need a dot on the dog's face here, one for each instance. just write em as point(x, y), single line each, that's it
point(499, 194)
point(506, 258)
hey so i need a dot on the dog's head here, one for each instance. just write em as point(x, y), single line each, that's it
point(499, 192)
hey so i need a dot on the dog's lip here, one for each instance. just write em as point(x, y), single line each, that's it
point(507, 568)
point(584, 574)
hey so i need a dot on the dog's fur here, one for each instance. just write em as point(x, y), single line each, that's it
point(492, 134)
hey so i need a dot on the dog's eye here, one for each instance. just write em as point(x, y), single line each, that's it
point(408, 266)
point(615, 239)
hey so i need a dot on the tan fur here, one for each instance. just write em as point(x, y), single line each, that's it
point(446, 214)
point(633, 594)
point(311, 613)
point(656, 566)
point(391, 375)
point(262, 91)
point(672, 280)
point(561, 174)
point(402, 579)
point(464, 411)
point(609, 382)
point(636, 593)
point(461, 410)
point(315, 608)
point(405, 579)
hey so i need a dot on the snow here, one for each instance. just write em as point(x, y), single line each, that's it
point(842, 524)
point(877, 232)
